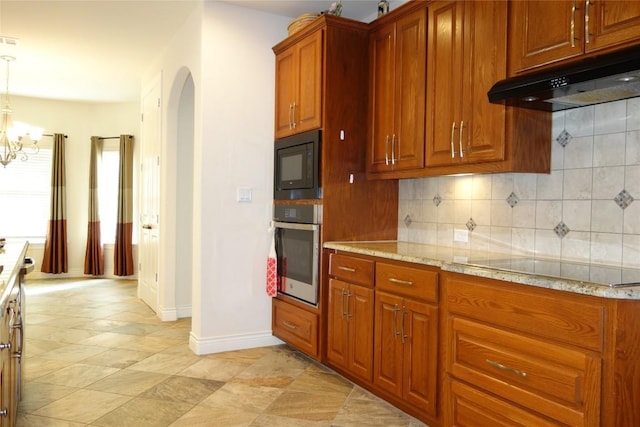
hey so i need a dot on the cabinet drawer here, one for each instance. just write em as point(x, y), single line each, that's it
point(408, 281)
point(296, 327)
point(565, 318)
point(473, 408)
point(558, 382)
point(351, 269)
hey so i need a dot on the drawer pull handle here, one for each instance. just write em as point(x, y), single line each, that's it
point(506, 368)
point(349, 269)
point(289, 325)
point(400, 282)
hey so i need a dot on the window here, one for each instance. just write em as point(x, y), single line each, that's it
point(25, 188)
point(108, 191)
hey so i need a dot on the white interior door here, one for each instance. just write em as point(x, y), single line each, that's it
point(149, 198)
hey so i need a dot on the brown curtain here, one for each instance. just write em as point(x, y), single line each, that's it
point(123, 256)
point(93, 257)
point(55, 248)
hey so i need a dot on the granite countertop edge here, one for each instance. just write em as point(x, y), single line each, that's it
point(448, 259)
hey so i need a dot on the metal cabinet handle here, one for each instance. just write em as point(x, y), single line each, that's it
point(400, 281)
point(289, 324)
point(460, 140)
point(349, 269)
point(393, 149)
point(453, 150)
point(586, 21)
point(290, 112)
point(573, 24)
point(506, 368)
point(3, 412)
point(395, 321)
point(348, 311)
point(386, 150)
point(342, 301)
point(403, 336)
point(5, 346)
point(294, 124)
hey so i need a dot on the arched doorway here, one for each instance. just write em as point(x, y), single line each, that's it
point(184, 198)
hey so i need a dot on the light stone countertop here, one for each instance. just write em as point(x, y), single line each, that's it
point(12, 260)
point(586, 279)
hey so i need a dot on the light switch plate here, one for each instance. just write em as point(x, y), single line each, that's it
point(244, 194)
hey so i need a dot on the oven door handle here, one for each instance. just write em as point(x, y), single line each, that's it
point(296, 226)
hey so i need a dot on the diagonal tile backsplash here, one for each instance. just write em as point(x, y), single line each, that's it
point(587, 209)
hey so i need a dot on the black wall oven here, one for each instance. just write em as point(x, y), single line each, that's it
point(297, 241)
point(296, 168)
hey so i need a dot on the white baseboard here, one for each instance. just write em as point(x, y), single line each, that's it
point(230, 343)
point(173, 313)
point(167, 314)
point(184, 311)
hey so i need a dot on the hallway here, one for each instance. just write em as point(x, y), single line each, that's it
point(97, 356)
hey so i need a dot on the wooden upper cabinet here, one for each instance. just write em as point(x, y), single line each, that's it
point(466, 56)
point(299, 86)
point(397, 94)
point(543, 33)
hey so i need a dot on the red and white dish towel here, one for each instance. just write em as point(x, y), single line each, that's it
point(272, 269)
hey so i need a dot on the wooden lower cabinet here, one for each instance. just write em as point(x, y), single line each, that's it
point(529, 354)
point(350, 328)
point(296, 326)
point(350, 315)
point(406, 339)
point(461, 350)
point(406, 334)
point(382, 330)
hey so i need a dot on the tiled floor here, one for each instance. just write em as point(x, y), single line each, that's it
point(97, 356)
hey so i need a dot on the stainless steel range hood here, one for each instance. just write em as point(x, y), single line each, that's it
point(604, 78)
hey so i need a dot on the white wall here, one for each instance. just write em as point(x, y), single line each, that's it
point(236, 150)
point(227, 50)
point(79, 121)
point(601, 158)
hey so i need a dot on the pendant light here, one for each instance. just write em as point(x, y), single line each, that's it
point(12, 134)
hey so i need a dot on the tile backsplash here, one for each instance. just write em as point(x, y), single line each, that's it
point(587, 209)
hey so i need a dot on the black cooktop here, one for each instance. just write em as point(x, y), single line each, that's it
point(600, 274)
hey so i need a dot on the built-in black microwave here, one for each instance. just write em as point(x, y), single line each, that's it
point(296, 168)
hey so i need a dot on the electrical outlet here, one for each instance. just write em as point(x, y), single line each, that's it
point(460, 235)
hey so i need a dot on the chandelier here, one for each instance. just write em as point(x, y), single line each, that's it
point(13, 135)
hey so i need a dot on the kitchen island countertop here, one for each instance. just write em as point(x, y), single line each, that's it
point(587, 279)
point(12, 261)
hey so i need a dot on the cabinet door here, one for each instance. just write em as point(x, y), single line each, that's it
point(360, 320)
point(612, 23)
point(407, 139)
point(481, 133)
point(308, 104)
point(388, 357)
point(285, 91)
point(543, 32)
point(420, 328)
point(445, 82)
point(381, 100)
point(337, 335)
